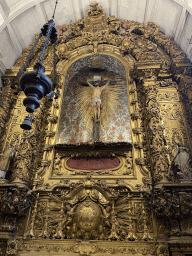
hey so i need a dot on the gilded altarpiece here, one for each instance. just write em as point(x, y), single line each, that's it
point(115, 179)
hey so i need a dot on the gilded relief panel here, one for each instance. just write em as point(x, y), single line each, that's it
point(14, 131)
point(96, 248)
point(90, 210)
point(106, 163)
point(172, 118)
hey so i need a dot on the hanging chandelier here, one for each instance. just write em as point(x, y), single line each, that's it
point(36, 84)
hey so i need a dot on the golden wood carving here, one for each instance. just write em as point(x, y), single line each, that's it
point(56, 210)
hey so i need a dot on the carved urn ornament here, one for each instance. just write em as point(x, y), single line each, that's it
point(36, 84)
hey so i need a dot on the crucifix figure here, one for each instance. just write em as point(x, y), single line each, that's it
point(96, 97)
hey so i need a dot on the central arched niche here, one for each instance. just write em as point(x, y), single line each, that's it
point(73, 128)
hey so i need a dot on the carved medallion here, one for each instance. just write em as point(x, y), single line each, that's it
point(88, 215)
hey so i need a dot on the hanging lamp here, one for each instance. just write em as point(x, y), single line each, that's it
point(36, 84)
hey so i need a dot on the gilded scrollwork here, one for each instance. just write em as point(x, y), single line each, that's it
point(173, 208)
point(154, 121)
point(124, 167)
point(28, 151)
point(84, 248)
point(86, 214)
point(7, 102)
point(89, 212)
point(16, 202)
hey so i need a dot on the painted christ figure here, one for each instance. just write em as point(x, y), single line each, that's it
point(96, 98)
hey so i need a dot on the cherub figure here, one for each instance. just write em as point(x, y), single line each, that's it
point(96, 98)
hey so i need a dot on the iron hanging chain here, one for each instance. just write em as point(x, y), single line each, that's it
point(55, 9)
point(55, 82)
point(46, 42)
point(49, 34)
point(27, 61)
point(55, 67)
point(55, 60)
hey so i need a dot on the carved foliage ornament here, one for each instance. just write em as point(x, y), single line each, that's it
point(142, 42)
point(14, 201)
point(30, 149)
point(85, 248)
point(157, 151)
point(95, 163)
point(173, 205)
point(6, 104)
point(90, 211)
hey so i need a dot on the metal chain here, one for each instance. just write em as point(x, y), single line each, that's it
point(55, 9)
point(27, 60)
point(42, 53)
point(55, 83)
point(46, 42)
point(55, 65)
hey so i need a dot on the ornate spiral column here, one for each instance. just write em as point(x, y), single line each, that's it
point(157, 150)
